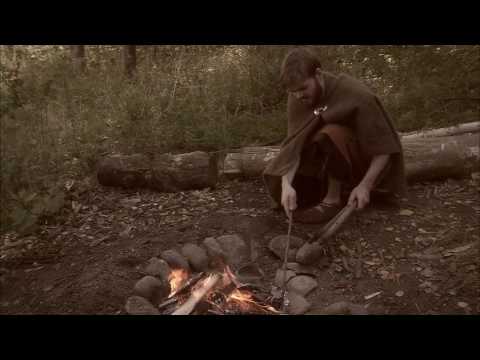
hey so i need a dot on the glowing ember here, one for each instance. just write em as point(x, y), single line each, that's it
point(246, 302)
point(240, 296)
point(177, 278)
point(212, 288)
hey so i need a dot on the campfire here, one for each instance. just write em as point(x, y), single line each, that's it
point(216, 293)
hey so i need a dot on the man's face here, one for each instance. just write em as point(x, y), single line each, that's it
point(308, 91)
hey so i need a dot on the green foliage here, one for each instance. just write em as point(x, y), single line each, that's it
point(55, 123)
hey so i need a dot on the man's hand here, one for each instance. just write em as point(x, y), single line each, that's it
point(289, 199)
point(361, 194)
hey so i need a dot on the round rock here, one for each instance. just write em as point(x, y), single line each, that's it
point(159, 268)
point(344, 308)
point(234, 248)
point(277, 246)
point(152, 289)
point(175, 260)
point(299, 269)
point(302, 285)
point(196, 256)
point(297, 304)
point(309, 253)
point(214, 251)
point(279, 277)
point(137, 305)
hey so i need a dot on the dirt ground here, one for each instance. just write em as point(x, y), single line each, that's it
point(420, 256)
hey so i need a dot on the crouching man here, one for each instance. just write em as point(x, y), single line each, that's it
point(341, 144)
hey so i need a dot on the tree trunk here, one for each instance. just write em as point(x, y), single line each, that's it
point(165, 173)
point(10, 52)
point(78, 57)
point(472, 127)
point(130, 59)
point(154, 55)
point(425, 158)
point(428, 159)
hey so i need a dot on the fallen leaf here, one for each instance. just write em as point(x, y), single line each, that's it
point(371, 296)
point(427, 272)
point(462, 304)
point(458, 249)
point(406, 212)
point(423, 231)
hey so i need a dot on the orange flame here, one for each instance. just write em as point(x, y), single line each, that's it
point(246, 302)
point(240, 296)
point(177, 278)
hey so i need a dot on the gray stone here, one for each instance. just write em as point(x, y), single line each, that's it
point(137, 305)
point(358, 310)
point(299, 269)
point(152, 289)
point(175, 260)
point(214, 251)
point(196, 256)
point(302, 285)
point(309, 253)
point(250, 273)
point(277, 246)
point(234, 248)
point(297, 304)
point(344, 308)
point(158, 268)
point(279, 277)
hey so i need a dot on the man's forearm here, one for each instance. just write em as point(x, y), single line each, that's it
point(288, 177)
point(376, 166)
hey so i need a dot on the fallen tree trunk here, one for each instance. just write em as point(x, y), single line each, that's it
point(426, 159)
point(166, 173)
point(439, 158)
point(472, 127)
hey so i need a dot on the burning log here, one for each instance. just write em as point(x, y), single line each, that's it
point(218, 293)
point(197, 295)
point(190, 282)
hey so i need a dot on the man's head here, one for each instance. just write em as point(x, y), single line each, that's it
point(301, 75)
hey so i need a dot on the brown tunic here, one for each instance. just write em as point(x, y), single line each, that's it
point(349, 103)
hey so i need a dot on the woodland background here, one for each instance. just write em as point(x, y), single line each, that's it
point(64, 107)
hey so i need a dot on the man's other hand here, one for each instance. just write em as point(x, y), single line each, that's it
point(362, 195)
point(289, 199)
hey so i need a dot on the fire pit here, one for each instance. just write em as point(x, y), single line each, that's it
point(201, 281)
point(216, 293)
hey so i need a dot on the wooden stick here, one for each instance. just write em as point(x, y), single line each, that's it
point(190, 282)
point(168, 302)
point(197, 295)
point(333, 226)
point(285, 260)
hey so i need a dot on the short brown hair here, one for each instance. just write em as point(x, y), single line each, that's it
point(299, 64)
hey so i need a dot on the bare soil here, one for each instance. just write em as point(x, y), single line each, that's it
point(420, 255)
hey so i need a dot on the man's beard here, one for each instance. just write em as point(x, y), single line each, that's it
point(314, 100)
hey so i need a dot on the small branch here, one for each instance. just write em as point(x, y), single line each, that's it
point(197, 295)
point(190, 282)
